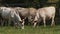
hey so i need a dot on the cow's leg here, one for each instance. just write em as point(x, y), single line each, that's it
point(23, 24)
point(2, 22)
point(35, 20)
point(35, 23)
point(52, 23)
point(44, 21)
point(9, 21)
point(5, 21)
point(15, 24)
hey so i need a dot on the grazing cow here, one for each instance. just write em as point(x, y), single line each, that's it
point(9, 14)
point(26, 13)
point(32, 14)
point(23, 12)
point(45, 13)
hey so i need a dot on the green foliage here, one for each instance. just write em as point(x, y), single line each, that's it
point(58, 4)
point(53, 1)
point(32, 3)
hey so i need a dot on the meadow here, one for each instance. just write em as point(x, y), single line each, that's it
point(30, 30)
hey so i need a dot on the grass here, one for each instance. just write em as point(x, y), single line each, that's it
point(30, 30)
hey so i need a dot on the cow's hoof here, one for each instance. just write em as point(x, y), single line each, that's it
point(44, 25)
point(22, 27)
point(34, 26)
point(52, 25)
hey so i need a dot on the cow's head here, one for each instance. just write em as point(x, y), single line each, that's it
point(17, 17)
point(30, 18)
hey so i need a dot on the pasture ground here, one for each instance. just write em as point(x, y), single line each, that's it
point(30, 30)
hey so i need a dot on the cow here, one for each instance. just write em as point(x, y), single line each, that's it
point(44, 14)
point(26, 13)
point(32, 14)
point(9, 14)
point(23, 12)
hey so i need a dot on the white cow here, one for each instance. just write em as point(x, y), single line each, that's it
point(9, 14)
point(45, 13)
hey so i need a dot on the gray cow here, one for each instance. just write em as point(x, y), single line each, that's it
point(45, 13)
point(9, 14)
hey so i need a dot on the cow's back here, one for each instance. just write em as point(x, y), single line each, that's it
point(47, 11)
point(23, 12)
point(32, 11)
point(5, 12)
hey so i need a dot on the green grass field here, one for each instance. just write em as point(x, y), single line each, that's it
point(30, 30)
